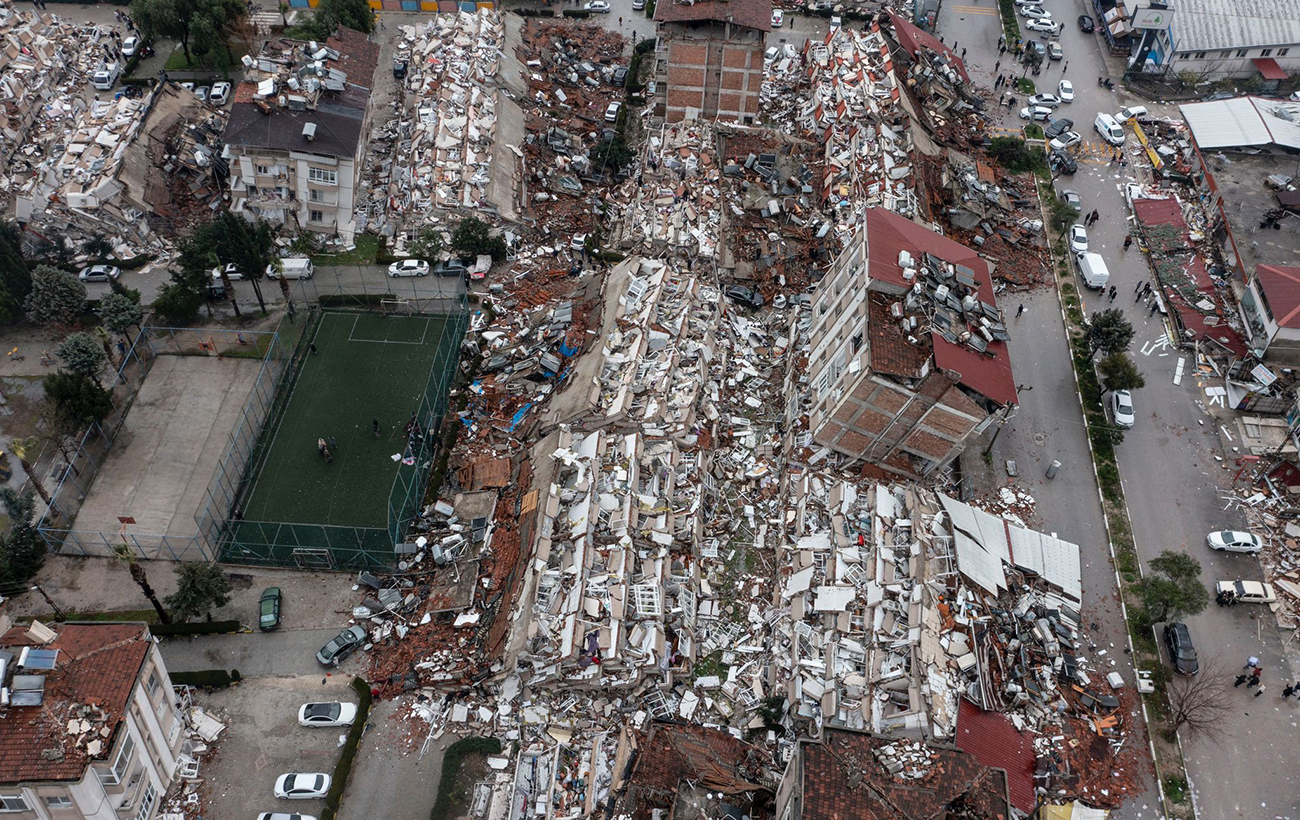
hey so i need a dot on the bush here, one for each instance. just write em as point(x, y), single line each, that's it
point(1014, 155)
point(533, 12)
point(645, 46)
point(206, 678)
point(451, 769)
point(196, 628)
point(580, 14)
point(344, 767)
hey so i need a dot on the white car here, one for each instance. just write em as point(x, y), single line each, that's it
point(283, 815)
point(1067, 140)
point(130, 46)
point(99, 273)
point(220, 93)
point(611, 113)
point(778, 18)
point(1049, 100)
point(295, 786)
point(1078, 239)
point(1044, 25)
point(409, 267)
point(1065, 90)
point(202, 93)
point(1036, 112)
point(1234, 541)
point(1121, 407)
point(597, 7)
point(327, 714)
point(1247, 592)
point(1035, 13)
point(233, 273)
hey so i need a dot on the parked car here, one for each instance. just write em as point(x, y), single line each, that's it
point(346, 641)
point(1062, 163)
point(283, 815)
point(331, 713)
point(597, 7)
point(1065, 90)
point(399, 69)
point(1048, 100)
point(578, 243)
point(1036, 113)
point(778, 18)
point(1121, 408)
point(99, 273)
point(409, 267)
point(611, 113)
point(1086, 24)
point(1109, 129)
point(1131, 112)
point(1234, 541)
point(1247, 592)
point(1057, 127)
point(296, 786)
point(1035, 45)
point(130, 46)
point(1078, 239)
point(638, 5)
point(1044, 26)
point(1072, 199)
point(220, 93)
point(1181, 652)
point(744, 295)
point(1035, 13)
point(482, 264)
point(233, 273)
point(202, 93)
point(450, 267)
point(1067, 140)
point(620, 77)
point(268, 609)
point(1055, 52)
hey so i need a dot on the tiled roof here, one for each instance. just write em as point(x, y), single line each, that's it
point(993, 741)
point(891, 352)
point(756, 14)
point(988, 373)
point(97, 665)
point(842, 780)
point(912, 38)
point(669, 754)
point(1281, 287)
point(888, 233)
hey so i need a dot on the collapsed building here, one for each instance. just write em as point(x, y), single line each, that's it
point(709, 59)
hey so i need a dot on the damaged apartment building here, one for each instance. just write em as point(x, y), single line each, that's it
point(709, 59)
point(297, 133)
point(908, 356)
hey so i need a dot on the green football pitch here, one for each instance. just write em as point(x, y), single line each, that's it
point(365, 367)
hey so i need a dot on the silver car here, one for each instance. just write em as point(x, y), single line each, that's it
point(338, 649)
point(1234, 541)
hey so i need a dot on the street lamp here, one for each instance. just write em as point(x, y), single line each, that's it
point(58, 613)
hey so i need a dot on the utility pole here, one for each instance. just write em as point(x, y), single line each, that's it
point(58, 613)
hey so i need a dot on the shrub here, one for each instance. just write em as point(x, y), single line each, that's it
point(196, 628)
point(206, 678)
point(580, 14)
point(451, 769)
point(343, 768)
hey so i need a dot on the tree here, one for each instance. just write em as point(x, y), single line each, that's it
point(191, 22)
point(428, 245)
point(56, 298)
point(15, 278)
point(1172, 589)
point(1016, 156)
point(1062, 214)
point(330, 14)
point(1199, 703)
point(97, 246)
point(1110, 332)
point(82, 353)
point(473, 237)
point(227, 239)
point(22, 550)
point(613, 152)
point(1118, 372)
point(77, 399)
point(200, 588)
point(178, 303)
point(23, 449)
point(138, 574)
point(120, 313)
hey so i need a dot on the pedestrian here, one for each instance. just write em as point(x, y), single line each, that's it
point(374, 423)
point(312, 347)
point(1002, 49)
point(997, 65)
point(1251, 662)
point(1146, 287)
point(1137, 299)
point(963, 53)
point(620, 21)
point(1112, 293)
point(1286, 693)
point(1065, 67)
point(1128, 242)
point(1152, 312)
point(1240, 680)
point(334, 445)
point(1139, 287)
point(320, 445)
point(329, 457)
point(1020, 310)
point(237, 514)
point(954, 45)
point(1260, 691)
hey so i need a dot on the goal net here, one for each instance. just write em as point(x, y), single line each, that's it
point(397, 307)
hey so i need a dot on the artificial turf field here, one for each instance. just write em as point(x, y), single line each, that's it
point(367, 366)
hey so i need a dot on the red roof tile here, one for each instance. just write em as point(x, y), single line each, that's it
point(756, 14)
point(669, 754)
point(988, 373)
point(1281, 287)
point(912, 38)
point(1159, 212)
point(993, 741)
point(98, 665)
point(888, 233)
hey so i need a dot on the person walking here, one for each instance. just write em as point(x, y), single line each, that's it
point(320, 445)
point(1240, 680)
point(1139, 296)
point(963, 53)
point(997, 65)
point(1113, 292)
point(1128, 241)
point(374, 423)
point(1154, 306)
point(1065, 67)
point(1286, 693)
point(1140, 286)
point(1260, 691)
point(1251, 662)
point(312, 347)
point(1020, 310)
point(1146, 287)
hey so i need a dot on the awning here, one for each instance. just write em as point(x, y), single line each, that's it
point(1269, 69)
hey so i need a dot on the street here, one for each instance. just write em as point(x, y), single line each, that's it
point(1173, 480)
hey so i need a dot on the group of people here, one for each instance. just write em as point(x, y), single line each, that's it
point(327, 448)
point(1251, 678)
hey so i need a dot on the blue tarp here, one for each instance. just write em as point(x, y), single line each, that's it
point(519, 416)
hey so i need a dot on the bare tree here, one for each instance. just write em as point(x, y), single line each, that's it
point(1200, 703)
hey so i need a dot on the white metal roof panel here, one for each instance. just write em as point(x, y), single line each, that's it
point(1226, 123)
point(977, 564)
point(1202, 25)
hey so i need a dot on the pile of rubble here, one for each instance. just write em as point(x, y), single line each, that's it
point(202, 731)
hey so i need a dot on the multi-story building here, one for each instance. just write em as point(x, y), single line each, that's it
point(88, 727)
point(709, 58)
point(908, 357)
point(297, 133)
point(1213, 39)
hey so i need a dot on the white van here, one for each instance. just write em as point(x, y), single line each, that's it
point(297, 267)
point(1131, 112)
point(105, 77)
point(1109, 129)
point(1093, 270)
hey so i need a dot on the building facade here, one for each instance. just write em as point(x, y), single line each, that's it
point(90, 730)
point(908, 355)
point(297, 133)
point(1214, 39)
point(709, 59)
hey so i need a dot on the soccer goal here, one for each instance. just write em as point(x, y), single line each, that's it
point(397, 307)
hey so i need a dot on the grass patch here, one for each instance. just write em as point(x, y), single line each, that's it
point(220, 60)
point(1010, 26)
point(1026, 86)
point(367, 250)
point(1034, 132)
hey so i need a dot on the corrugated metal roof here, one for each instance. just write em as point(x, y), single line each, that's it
point(1243, 121)
point(1201, 25)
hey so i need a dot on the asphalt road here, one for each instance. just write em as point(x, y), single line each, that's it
point(1173, 481)
point(288, 652)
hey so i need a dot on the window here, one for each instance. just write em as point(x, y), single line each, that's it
point(59, 802)
point(252, 190)
point(315, 195)
point(857, 343)
point(114, 775)
point(1281, 52)
point(13, 802)
point(315, 216)
point(151, 684)
point(1263, 300)
point(264, 170)
point(1243, 52)
point(1226, 53)
point(322, 176)
point(1200, 55)
point(146, 803)
point(1265, 52)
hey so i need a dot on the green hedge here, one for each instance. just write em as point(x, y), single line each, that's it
point(195, 628)
point(344, 767)
point(451, 769)
point(533, 12)
point(140, 81)
point(345, 300)
point(207, 678)
point(580, 14)
point(645, 46)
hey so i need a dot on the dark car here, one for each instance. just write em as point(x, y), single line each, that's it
point(744, 295)
point(451, 267)
point(620, 76)
point(1057, 127)
point(1085, 24)
point(1181, 651)
point(268, 615)
point(399, 69)
point(1062, 163)
point(1034, 45)
point(336, 650)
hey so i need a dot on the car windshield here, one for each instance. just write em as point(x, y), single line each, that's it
point(1124, 405)
point(325, 710)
